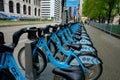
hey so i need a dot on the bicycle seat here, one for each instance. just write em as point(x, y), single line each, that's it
point(72, 73)
point(75, 46)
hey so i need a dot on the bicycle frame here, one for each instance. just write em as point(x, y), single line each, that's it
point(84, 47)
point(42, 43)
point(68, 34)
point(69, 37)
point(72, 29)
point(8, 61)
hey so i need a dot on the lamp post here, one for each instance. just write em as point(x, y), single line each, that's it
point(64, 12)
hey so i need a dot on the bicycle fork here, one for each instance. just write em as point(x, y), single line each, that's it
point(87, 59)
point(80, 62)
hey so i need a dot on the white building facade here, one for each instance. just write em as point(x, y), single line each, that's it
point(51, 9)
point(32, 9)
point(58, 11)
point(24, 9)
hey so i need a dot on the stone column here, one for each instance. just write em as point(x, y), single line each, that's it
point(6, 6)
point(14, 8)
point(21, 8)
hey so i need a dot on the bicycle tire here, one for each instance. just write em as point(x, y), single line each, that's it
point(56, 77)
point(56, 54)
point(53, 48)
point(89, 66)
point(5, 74)
point(40, 54)
point(92, 53)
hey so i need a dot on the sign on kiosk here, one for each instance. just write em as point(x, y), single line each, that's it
point(72, 3)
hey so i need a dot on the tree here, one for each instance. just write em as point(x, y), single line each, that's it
point(94, 9)
point(101, 9)
point(110, 6)
point(118, 9)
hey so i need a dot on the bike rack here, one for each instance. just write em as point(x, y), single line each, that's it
point(30, 72)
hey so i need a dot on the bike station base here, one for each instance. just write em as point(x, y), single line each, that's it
point(46, 74)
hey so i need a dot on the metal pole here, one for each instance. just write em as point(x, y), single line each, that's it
point(64, 16)
point(30, 72)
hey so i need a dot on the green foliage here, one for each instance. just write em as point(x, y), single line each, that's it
point(93, 8)
point(101, 9)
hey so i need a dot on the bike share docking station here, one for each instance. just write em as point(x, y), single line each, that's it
point(30, 72)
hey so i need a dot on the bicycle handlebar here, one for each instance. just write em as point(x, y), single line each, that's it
point(18, 33)
point(1, 38)
point(32, 32)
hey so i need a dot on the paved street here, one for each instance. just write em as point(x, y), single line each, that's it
point(108, 50)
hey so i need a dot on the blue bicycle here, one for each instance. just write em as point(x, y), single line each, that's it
point(52, 42)
point(9, 69)
point(8, 66)
point(71, 58)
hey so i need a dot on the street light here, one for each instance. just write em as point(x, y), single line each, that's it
point(64, 12)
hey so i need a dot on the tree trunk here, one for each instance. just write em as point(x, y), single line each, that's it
point(110, 11)
point(109, 15)
point(99, 19)
point(119, 19)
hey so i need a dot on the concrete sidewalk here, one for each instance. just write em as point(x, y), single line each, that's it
point(108, 48)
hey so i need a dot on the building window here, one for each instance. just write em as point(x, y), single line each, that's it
point(1, 5)
point(34, 2)
point(35, 11)
point(11, 7)
point(38, 12)
point(29, 1)
point(24, 9)
point(18, 7)
point(29, 10)
point(23, 0)
point(26, 0)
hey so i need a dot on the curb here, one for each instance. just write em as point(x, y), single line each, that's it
point(20, 23)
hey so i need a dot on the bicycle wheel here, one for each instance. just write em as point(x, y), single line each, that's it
point(92, 63)
point(39, 65)
point(89, 50)
point(5, 74)
point(53, 48)
point(56, 77)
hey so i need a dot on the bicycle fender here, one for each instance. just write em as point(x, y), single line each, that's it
point(90, 59)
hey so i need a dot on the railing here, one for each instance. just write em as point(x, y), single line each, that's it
point(110, 28)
